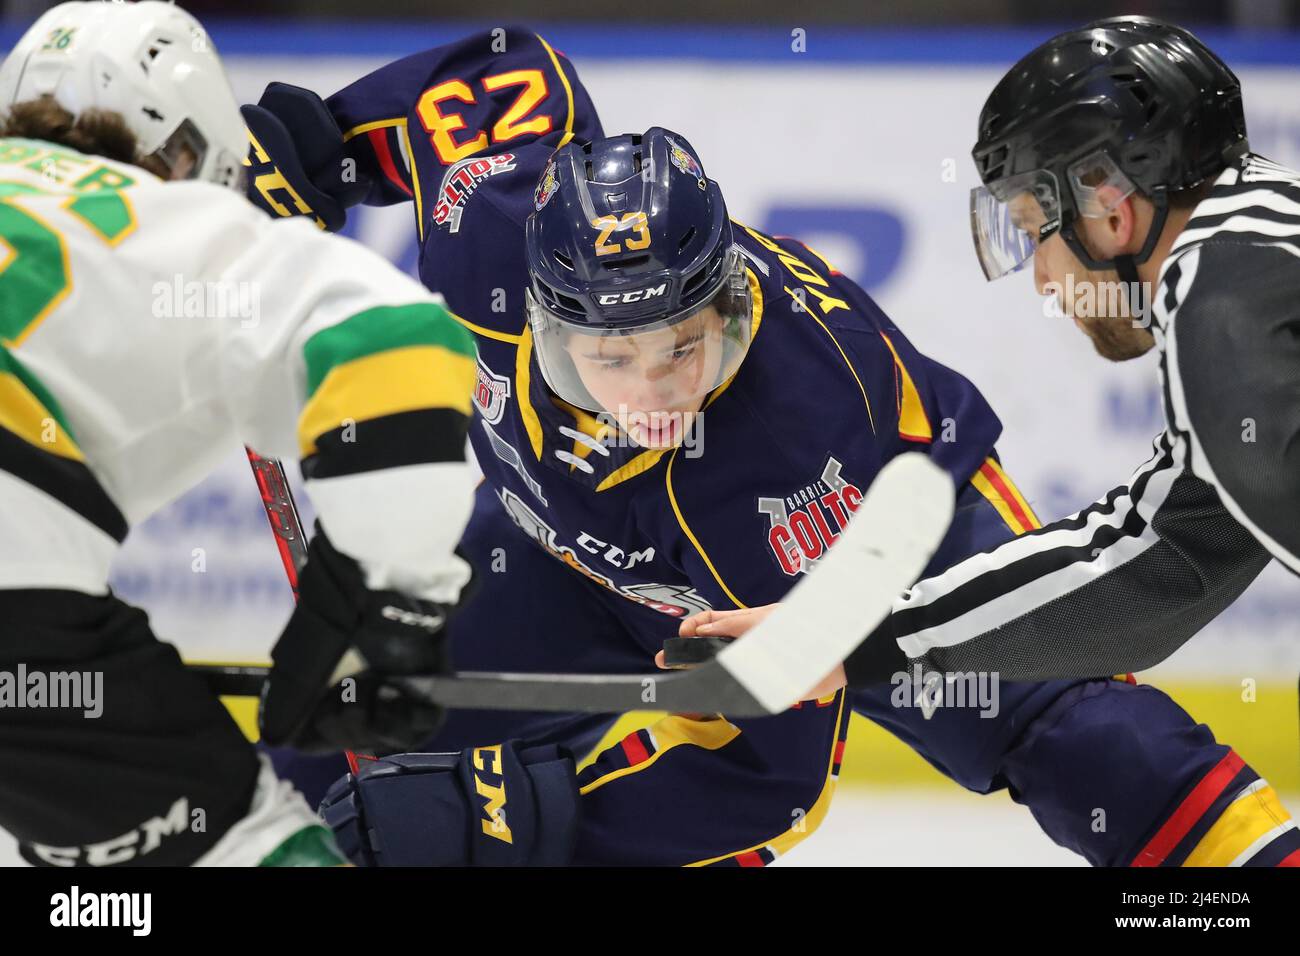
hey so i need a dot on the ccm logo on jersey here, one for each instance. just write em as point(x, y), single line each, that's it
point(491, 785)
point(803, 524)
point(677, 600)
point(636, 295)
point(461, 181)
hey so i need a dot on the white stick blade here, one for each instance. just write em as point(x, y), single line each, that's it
point(888, 543)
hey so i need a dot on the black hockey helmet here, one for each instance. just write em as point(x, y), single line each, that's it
point(1130, 102)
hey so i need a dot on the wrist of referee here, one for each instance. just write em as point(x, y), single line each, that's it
point(877, 659)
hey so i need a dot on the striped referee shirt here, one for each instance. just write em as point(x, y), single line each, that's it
point(1122, 584)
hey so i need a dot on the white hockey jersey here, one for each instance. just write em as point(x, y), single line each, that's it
point(147, 328)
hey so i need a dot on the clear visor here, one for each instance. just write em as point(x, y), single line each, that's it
point(1098, 185)
point(187, 154)
point(659, 371)
point(184, 151)
point(1009, 217)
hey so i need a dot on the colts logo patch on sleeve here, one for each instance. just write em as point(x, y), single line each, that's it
point(461, 181)
point(490, 394)
point(803, 524)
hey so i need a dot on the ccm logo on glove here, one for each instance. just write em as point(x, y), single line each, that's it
point(495, 808)
point(430, 622)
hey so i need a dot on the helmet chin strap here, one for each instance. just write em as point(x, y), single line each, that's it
point(1126, 265)
point(1128, 274)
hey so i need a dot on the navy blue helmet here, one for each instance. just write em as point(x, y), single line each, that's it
point(629, 240)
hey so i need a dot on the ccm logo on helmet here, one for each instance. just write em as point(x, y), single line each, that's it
point(637, 295)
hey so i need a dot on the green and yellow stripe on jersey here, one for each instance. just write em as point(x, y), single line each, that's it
point(387, 387)
point(38, 447)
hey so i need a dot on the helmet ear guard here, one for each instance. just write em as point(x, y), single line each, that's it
point(1097, 187)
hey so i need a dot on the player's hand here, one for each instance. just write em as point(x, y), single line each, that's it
point(737, 623)
point(337, 680)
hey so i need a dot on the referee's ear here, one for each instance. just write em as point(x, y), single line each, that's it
point(1119, 232)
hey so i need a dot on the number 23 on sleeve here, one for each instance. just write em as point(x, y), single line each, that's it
point(441, 122)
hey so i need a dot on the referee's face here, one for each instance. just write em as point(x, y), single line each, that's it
point(1096, 300)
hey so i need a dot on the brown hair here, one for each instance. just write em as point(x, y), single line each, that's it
point(98, 132)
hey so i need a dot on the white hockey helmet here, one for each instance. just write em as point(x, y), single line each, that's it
point(151, 62)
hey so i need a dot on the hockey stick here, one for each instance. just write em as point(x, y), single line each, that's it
point(245, 680)
point(282, 513)
point(891, 538)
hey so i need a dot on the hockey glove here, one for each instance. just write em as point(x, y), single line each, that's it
point(505, 805)
point(298, 162)
point(336, 676)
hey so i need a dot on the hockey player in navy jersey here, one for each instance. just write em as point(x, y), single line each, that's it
point(675, 412)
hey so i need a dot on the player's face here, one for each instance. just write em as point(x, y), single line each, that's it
point(1094, 299)
point(184, 167)
point(655, 382)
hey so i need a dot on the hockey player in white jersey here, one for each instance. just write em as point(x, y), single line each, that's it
point(148, 328)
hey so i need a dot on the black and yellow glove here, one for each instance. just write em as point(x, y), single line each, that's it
point(298, 162)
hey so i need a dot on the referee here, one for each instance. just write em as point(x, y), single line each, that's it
point(1115, 157)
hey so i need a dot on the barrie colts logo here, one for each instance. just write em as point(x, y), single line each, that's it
point(460, 183)
point(802, 525)
point(636, 295)
point(490, 394)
